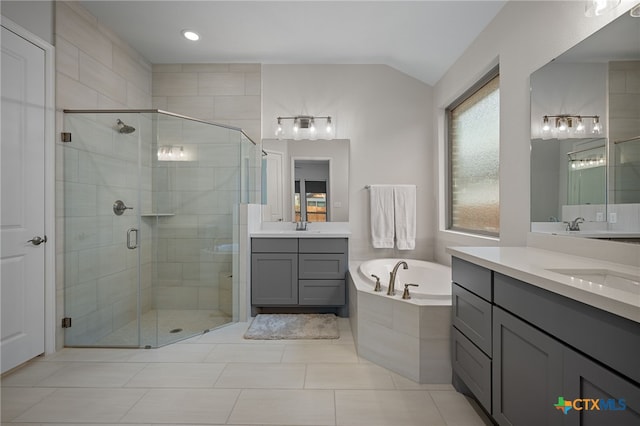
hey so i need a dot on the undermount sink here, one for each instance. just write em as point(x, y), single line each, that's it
point(602, 277)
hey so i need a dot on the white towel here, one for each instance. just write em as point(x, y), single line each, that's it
point(382, 226)
point(404, 197)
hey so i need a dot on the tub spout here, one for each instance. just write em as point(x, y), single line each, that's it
point(391, 290)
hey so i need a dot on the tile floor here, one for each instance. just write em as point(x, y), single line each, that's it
point(220, 378)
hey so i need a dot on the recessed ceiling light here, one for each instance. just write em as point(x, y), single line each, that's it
point(190, 35)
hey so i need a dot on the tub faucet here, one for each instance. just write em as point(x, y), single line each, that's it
point(405, 294)
point(574, 225)
point(377, 287)
point(391, 290)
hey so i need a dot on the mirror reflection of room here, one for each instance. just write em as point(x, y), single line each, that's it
point(585, 135)
point(305, 180)
point(311, 190)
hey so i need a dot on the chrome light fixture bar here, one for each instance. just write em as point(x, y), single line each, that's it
point(305, 127)
point(566, 125)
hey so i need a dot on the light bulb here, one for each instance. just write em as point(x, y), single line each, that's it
point(579, 126)
point(312, 126)
point(562, 125)
point(597, 127)
point(599, 7)
point(279, 130)
point(546, 128)
point(329, 125)
point(296, 125)
point(181, 152)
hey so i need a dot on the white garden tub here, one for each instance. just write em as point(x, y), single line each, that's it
point(408, 336)
point(433, 280)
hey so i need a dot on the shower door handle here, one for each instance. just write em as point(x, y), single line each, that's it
point(135, 244)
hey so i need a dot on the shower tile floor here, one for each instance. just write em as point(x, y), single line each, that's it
point(220, 378)
point(160, 327)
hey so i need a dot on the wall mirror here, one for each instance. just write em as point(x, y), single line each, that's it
point(585, 135)
point(305, 180)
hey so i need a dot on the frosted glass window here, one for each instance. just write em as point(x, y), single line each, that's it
point(474, 140)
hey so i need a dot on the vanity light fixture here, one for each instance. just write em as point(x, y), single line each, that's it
point(565, 125)
point(305, 127)
point(599, 7)
point(190, 35)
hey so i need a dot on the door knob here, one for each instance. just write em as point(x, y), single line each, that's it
point(36, 241)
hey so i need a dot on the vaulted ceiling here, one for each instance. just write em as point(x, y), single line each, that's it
point(420, 38)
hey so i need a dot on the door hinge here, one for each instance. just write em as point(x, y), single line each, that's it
point(66, 322)
point(65, 136)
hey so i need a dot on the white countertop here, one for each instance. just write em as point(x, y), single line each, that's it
point(533, 266)
point(588, 230)
point(314, 230)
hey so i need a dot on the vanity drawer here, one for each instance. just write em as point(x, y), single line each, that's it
point(472, 316)
point(323, 245)
point(472, 277)
point(322, 266)
point(321, 292)
point(274, 245)
point(472, 366)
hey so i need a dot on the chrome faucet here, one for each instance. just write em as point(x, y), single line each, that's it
point(574, 225)
point(391, 290)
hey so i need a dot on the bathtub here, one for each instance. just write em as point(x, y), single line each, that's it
point(408, 336)
point(433, 280)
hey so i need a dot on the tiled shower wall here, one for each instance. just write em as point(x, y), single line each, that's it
point(95, 69)
point(222, 93)
point(194, 246)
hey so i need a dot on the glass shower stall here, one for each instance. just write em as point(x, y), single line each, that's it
point(149, 203)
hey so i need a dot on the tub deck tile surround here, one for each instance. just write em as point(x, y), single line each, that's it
point(411, 339)
point(220, 378)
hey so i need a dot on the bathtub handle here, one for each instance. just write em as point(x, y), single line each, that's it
point(405, 293)
point(377, 287)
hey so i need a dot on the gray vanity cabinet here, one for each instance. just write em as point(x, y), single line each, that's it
point(543, 346)
point(305, 272)
point(274, 271)
point(527, 373)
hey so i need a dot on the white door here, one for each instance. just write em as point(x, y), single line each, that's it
point(22, 209)
point(274, 186)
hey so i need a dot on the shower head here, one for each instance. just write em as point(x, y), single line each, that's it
point(124, 129)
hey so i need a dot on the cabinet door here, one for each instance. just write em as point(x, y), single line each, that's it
point(274, 279)
point(527, 373)
point(618, 400)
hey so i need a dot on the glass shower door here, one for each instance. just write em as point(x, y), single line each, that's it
point(100, 212)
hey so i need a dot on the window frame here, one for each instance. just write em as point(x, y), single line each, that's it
point(482, 82)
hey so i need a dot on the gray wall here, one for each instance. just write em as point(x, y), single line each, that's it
point(35, 16)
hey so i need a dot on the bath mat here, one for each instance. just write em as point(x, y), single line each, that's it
point(293, 326)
